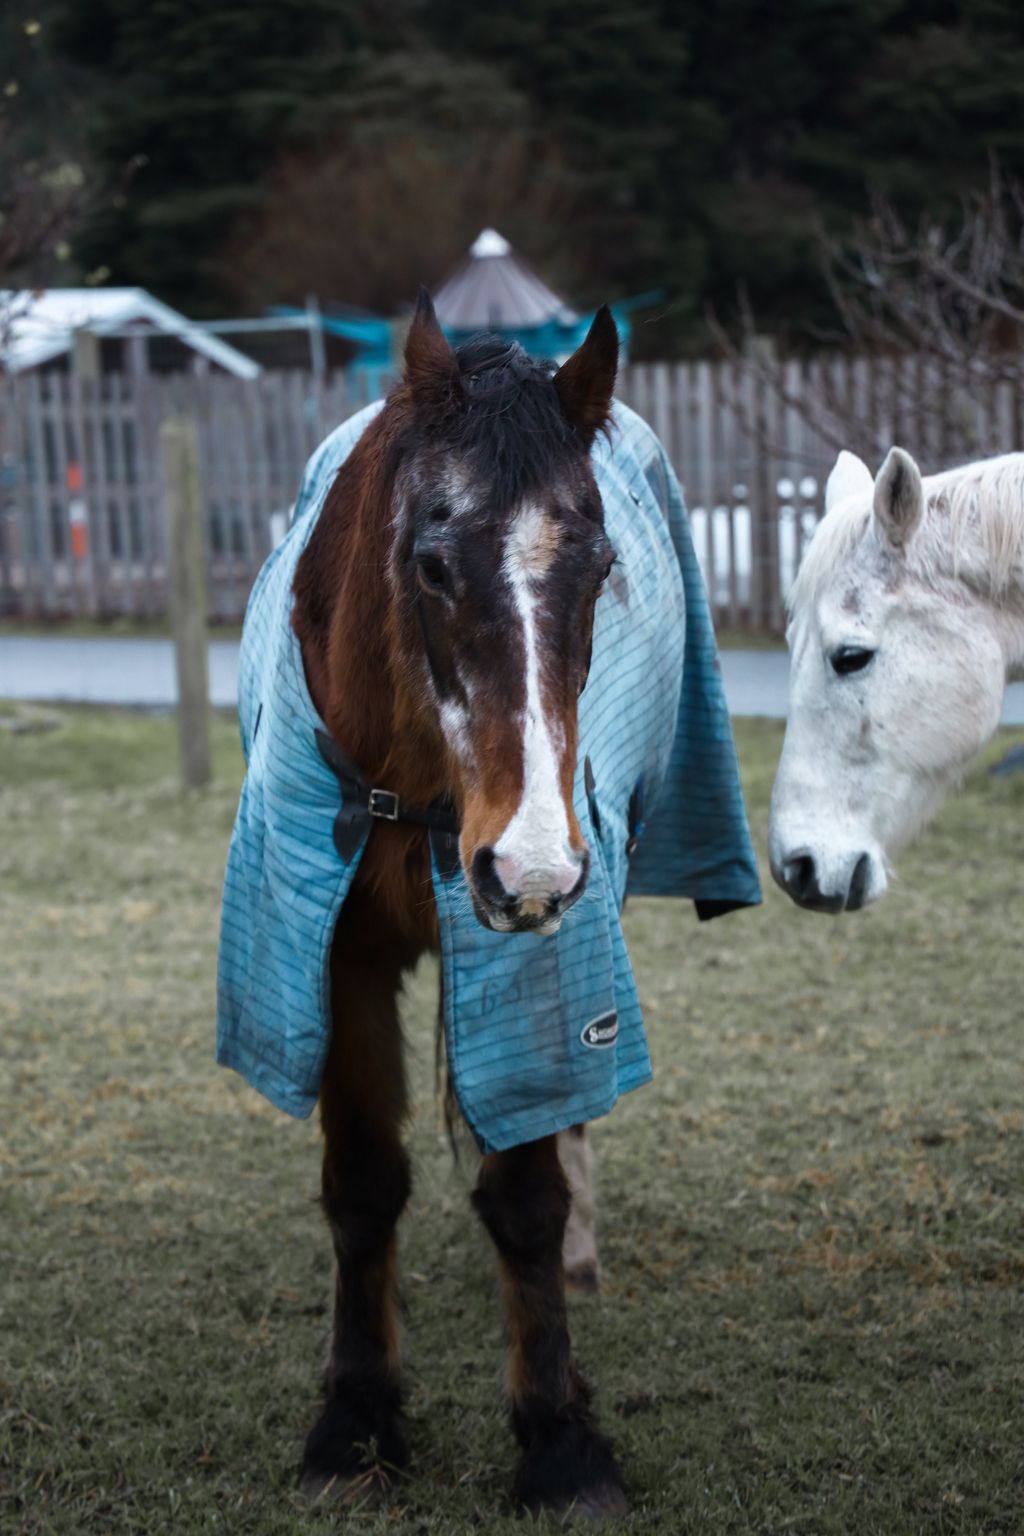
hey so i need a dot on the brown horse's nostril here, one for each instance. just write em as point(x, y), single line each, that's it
point(488, 882)
point(566, 899)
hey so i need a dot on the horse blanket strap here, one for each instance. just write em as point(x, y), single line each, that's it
point(359, 801)
point(540, 1033)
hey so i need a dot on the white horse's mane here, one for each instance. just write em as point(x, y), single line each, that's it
point(972, 527)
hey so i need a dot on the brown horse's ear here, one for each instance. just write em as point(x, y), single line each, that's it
point(431, 369)
point(586, 380)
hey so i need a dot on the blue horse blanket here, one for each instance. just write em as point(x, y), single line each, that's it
point(540, 1033)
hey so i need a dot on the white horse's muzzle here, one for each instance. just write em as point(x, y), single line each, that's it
point(829, 880)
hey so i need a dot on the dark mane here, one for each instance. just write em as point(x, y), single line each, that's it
point(506, 421)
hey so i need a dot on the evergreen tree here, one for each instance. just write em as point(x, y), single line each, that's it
point(667, 143)
point(202, 95)
point(817, 103)
point(45, 181)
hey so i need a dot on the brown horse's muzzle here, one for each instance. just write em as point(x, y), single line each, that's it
point(534, 901)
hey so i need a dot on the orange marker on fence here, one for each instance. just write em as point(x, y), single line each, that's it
point(78, 513)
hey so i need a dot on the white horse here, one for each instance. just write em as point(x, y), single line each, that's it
point(907, 623)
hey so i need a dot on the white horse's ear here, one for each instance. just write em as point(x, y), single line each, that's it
point(899, 497)
point(850, 476)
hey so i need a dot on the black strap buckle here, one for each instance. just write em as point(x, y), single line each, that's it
point(383, 803)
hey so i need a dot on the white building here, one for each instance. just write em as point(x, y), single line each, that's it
point(108, 330)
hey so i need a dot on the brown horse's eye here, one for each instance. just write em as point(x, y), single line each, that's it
point(432, 574)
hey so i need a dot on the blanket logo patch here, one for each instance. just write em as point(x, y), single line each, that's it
point(601, 1032)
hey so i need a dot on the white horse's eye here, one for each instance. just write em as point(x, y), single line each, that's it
point(850, 658)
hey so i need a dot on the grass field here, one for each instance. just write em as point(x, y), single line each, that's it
point(812, 1222)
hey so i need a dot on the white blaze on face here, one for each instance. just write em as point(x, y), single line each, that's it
point(455, 726)
point(533, 856)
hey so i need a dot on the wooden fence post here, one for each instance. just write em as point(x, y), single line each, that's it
point(765, 596)
point(179, 452)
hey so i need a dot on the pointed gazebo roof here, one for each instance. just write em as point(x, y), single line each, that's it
point(493, 289)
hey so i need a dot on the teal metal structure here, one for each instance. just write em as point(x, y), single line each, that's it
point(492, 289)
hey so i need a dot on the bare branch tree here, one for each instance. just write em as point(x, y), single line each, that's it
point(39, 207)
point(955, 293)
point(46, 188)
point(937, 311)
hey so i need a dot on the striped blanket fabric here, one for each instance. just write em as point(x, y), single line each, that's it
point(541, 1033)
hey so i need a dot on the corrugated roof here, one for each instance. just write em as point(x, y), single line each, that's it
point(43, 325)
point(493, 288)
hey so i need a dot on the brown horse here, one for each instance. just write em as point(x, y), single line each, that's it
point(444, 606)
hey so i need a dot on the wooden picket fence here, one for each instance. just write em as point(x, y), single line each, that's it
point(81, 504)
point(753, 447)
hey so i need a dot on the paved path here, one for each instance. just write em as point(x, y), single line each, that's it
point(141, 673)
point(97, 671)
point(757, 683)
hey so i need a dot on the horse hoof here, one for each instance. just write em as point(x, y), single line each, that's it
point(605, 1502)
point(355, 1449)
point(583, 1279)
point(345, 1488)
point(569, 1469)
point(602, 1501)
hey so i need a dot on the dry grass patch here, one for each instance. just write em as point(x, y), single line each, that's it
point(811, 1222)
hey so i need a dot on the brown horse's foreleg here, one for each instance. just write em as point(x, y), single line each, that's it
point(523, 1200)
point(365, 1186)
point(579, 1246)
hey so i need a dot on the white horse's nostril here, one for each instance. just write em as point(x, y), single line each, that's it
point(826, 880)
point(802, 881)
point(857, 895)
point(800, 878)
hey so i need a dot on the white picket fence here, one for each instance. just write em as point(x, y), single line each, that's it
point(753, 450)
point(81, 516)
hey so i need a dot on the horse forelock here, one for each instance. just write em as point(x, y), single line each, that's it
point(972, 530)
point(505, 426)
point(835, 539)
